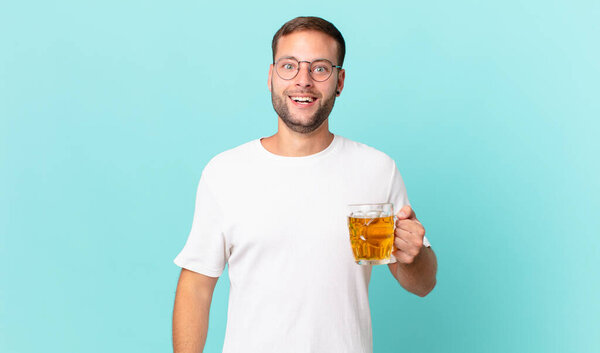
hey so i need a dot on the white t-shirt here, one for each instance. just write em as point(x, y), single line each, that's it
point(281, 225)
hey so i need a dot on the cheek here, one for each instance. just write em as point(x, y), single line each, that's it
point(330, 89)
point(276, 86)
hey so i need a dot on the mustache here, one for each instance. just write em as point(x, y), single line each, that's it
point(312, 93)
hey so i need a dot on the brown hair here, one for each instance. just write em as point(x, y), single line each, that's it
point(315, 24)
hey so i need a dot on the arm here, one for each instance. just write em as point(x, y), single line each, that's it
point(416, 267)
point(190, 313)
point(417, 277)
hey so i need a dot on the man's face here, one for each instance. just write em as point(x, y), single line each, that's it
point(305, 117)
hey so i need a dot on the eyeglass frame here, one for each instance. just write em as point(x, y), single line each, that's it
point(309, 67)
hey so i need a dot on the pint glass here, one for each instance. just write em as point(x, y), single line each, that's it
point(371, 229)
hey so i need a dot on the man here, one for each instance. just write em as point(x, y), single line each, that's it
point(274, 209)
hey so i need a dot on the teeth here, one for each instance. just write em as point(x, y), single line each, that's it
point(303, 99)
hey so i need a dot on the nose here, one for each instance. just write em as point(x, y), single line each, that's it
point(303, 78)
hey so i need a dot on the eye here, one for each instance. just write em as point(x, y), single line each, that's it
point(288, 65)
point(321, 67)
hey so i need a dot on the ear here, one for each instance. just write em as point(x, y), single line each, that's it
point(340, 82)
point(270, 79)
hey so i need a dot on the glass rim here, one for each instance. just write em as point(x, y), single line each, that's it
point(386, 208)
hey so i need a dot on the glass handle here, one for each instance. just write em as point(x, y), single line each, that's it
point(392, 257)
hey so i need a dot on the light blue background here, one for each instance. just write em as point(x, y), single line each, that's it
point(110, 110)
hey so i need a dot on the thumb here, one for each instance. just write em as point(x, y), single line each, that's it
point(405, 212)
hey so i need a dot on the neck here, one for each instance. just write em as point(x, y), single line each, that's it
point(289, 143)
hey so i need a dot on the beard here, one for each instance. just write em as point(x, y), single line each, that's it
point(295, 124)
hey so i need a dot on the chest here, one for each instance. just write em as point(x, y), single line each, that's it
point(295, 213)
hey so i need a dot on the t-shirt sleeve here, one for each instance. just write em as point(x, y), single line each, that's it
point(398, 196)
point(205, 251)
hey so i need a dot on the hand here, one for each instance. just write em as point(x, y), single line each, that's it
point(408, 236)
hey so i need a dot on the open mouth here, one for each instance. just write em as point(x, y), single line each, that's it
point(303, 100)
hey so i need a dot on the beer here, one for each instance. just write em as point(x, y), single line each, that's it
point(372, 239)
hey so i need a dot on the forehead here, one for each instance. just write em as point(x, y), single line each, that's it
point(307, 45)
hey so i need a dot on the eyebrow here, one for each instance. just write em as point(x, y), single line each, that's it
point(288, 57)
point(293, 57)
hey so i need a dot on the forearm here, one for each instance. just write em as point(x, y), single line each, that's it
point(418, 277)
point(190, 318)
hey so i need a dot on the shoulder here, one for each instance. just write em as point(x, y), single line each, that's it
point(231, 160)
point(365, 153)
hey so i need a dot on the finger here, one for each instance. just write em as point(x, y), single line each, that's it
point(407, 241)
point(406, 212)
point(401, 239)
point(411, 226)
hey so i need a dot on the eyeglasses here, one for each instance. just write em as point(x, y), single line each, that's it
point(320, 70)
